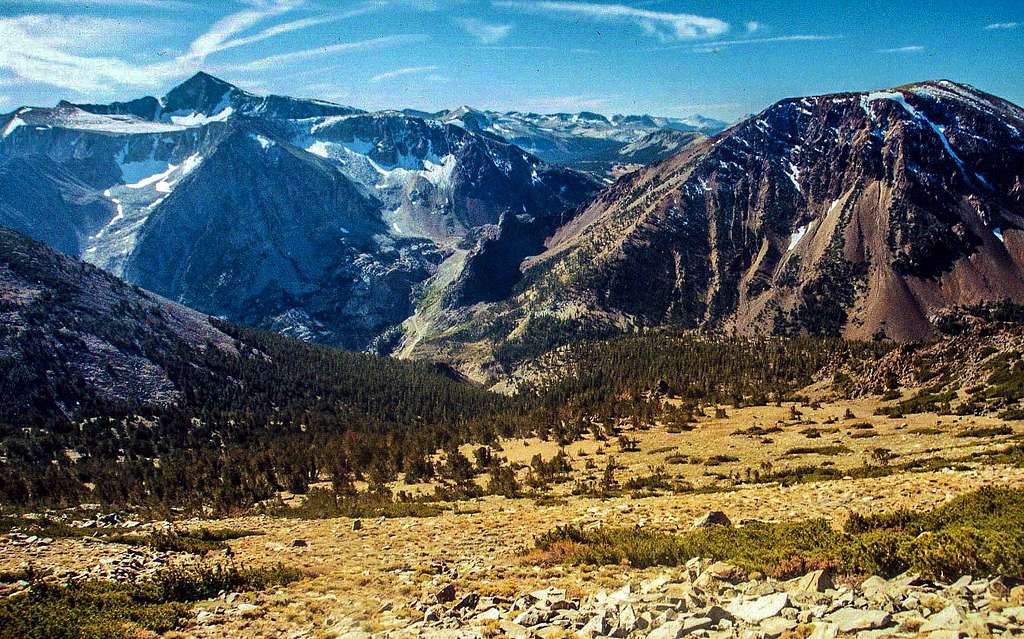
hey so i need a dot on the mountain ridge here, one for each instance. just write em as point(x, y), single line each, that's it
point(432, 187)
point(855, 214)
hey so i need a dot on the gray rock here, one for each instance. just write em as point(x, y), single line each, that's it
point(667, 630)
point(446, 594)
point(776, 626)
point(855, 619)
point(874, 585)
point(598, 625)
point(948, 618)
point(756, 610)
point(533, 617)
point(626, 622)
point(717, 614)
point(468, 602)
point(814, 582)
point(711, 518)
point(824, 631)
point(491, 614)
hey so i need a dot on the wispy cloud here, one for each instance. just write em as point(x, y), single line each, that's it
point(1001, 26)
point(721, 45)
point(387, 75)
point(280, 59)
point(485, 32)
point(82, 53)
point(914, 48)
point(753, 26)
point(661, 24)
point(119, 4)
point(704, 106)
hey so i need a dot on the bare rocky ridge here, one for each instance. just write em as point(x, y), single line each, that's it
point(855, 214)
point(846, 214)
point(72, 332)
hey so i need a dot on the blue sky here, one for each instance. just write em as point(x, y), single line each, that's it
point(671, 57)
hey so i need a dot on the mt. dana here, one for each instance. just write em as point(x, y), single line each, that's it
point(854, 214)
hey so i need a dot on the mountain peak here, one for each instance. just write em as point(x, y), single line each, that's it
point(202, 78)
point(201, 93)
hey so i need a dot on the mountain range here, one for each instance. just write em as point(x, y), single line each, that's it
point(587, 141)
point(313, 219)
point(476, 237)
point(854, 214)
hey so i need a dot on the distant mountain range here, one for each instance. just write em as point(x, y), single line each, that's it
point(317, 220)
point(467, 236)
point(587, 141)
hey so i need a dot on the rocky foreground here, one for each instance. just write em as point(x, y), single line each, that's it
point(719, 600)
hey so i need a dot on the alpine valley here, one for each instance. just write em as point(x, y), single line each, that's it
point(276, 367)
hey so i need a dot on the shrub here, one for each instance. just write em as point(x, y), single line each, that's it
point(718, 460)
point(106, 610)
point(836, 449)
point(1015, 413)
point(198, 542)
point(503, 481)
point(986, 431)
point(977, 533)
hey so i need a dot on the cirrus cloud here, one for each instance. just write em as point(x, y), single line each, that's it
point(395, 73)
point(914, 48)
point(663, 25)
point(85, 53)
point(485, 32)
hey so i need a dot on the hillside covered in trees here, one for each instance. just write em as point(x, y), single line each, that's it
point(121, 397)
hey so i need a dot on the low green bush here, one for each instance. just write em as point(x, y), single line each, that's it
point(108, 610)
point(986, 431)
point(836, 449)
point(977, 533)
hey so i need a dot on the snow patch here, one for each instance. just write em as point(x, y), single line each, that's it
point(321, 123)
point(14, 123)
point(893, 96)
point(74, 118)
point(198, 119)
point(190, 163)
point(795, 238)
point(160, 180)
point(114, 221)
point(939, 130)
point(998, 232)
point(320, 148)
point(264, 142)
point(439, 175)
point(793, 173)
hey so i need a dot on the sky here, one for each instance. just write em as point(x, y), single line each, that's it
point(668, 57)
